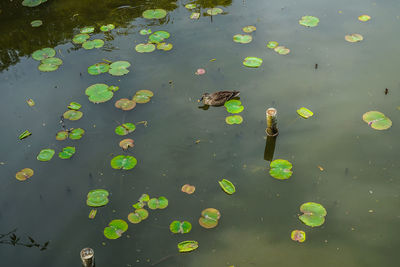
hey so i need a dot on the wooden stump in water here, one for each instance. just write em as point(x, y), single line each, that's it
point(272, 128)
point(87, 257)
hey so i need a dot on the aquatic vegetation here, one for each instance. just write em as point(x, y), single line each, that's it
point(282, 50)
point(209, 218)
point(157, 203)
point(227, 186)
point(96, 43)
point(145, 32)
point(144, 198)
point(50, 64)
point(125, 128)
point(195, 15)
point(24, 174)
point(249, 29)
point(298, 235)
point(43, 53)
point(364, 18)
point(123, 162)
point(115, 229)
point(80, 38)
point(233, 106)
point(190, 6)
point(252, 62)
point(242, 38)
point(354, 37)
point(30, 102)
point(87, 29)
point(143, 96)
point(188, 189)
point(154, 13)
point(67, 152)
point(107, 28)
point(92, 214)
point(98, 68)
point(272, 44)
point(74, 106)
point(45, 154)
point(187, 246)
point(126, 143)
point(24, 135)
point(200, 72)
point(377, 120)
point(72, 115)
point(138, 216)
point(164, 46)
point(281, 169)
point(305, 112)
point(214, 11)
point(158, 36)
point(76, 134)
point(119, 68)
point(61, 135)
point(99, 92)
point(36, 23)
point(97, 198)
point(145, 48)
point(235, 119)
point(313, 214)
point(178, 227)
point(125, 104)
point(32, 3)
point(309, 21)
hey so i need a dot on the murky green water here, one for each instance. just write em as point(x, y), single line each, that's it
point(359, 186)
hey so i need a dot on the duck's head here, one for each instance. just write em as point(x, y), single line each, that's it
point(203, 96)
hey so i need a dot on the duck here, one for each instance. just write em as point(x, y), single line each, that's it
point(218, 98)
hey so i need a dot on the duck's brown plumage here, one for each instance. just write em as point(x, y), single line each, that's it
point(218, 98)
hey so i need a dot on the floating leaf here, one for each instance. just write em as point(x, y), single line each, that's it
point(154, 13)
point(67, 152)
point(92, 214)
point(144, 198)
point(364, 18)
point(299, 236)
point(187, 246)
point(61, 135)
point(145, 48)
point(45, 154)
point(43, 53)
point(72, 115)
point(25, 134)
point(249, 29)
point(74, 106)
point(377, 120)
point(242, 38)
point(123, 162)
point(280, 169)
point(353, 38)
point(158, 203)
point(309, 21)
point(158, 37)
point(200, 72)
point(235, 119)
point(32, 3)
point(80, 38)
point(282, 50)
point(190, 6)
point(30, 102)
point(178, 227)
point(138, 216)
point(145, 31)
point(305, 112)
point(36, 23)
point(97, 198)
point(96, 43)
point(126, 143)
point(164, 46)
point(272, 44)
point(52, 61)
point(47, 67)
point(252, 62)
point(98, 68)
point(107, 28)
point(99, 92)
point(76, 134)
point(87, 29)
point(119, 68)
point(24, 174)
point(227, 186)
point(234, 106)
point(313, 214)
point(115, 229)
point(125, 104)
point(188, 189)
point(142, 96)
point(214, 11)
point(209, 218)
point(125, 128)
point(195, 15)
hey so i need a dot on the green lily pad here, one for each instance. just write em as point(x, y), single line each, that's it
point(158, 203)
point(145, 48)
point(227, 186)
point(72, 115)
point(115, 229)
point(24, 135)
point(43, 53)
point(154, 13)
point(98, 68)
point(96, 43)
point(61, 135)
point(164, 46)
point(305, 112)
point(158, 36)
point(313, 214)
point(99, 92)
point(24, 174)
point(282, 50)
point(178, 227)
point(80, 38)
point(119, 68)
point(377, 120)
point(107, 28)
point(52, 61)
point(190, 6)
point(309, 21)
point(242, 38)
point(87, 29)
point(249, 29)
point(125, 128)
point(187, 246)
point(97, 198)
point(138, 216)
point(125, 104)
point(354, 37)
point(364, 18)
point(209, 218)
point(280, 169)
point(299, 236)
point(144, 198)
point(195, 15)
point(123, 162)
point(36, 23)
point(76, 134)
point(47, 67)
point(272, 44)
point(32, 3)
point(74, 106)
point(252, 62)
point(67, 152)
point(45, 154)
point(214, 11)
point(145, 32)
point(235, 119)
point(142, 96)
point(188, 189)
point(234, 106)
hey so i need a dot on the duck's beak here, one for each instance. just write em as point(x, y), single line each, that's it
point(199, 100)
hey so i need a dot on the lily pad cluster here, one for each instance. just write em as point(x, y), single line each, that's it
point(280, 49)
point(157, 203)
point(156, 40)
point(143, 96)
point(234, 106)
point(244, 38)
point(281, 169)
point(115, 229)
point(100, 92)
point(377, 120)
point(178, 227)
point(209, 218)
point(117, 68)
point(32, 3)
point(67, 152)
point(73, 134)
point(214, 11)
point(107, 28)
point(140, 213)
point(83, 38)
point(73, 112)
point(47, 59)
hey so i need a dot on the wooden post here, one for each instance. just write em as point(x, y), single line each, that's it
point(272, 129)
point(87, 257)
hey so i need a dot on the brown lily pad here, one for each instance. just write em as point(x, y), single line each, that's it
point(125, 104)
point(188, 189)
point(126, 143)
point(24, 174)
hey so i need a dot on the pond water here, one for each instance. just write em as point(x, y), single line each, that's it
point(182, 144)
